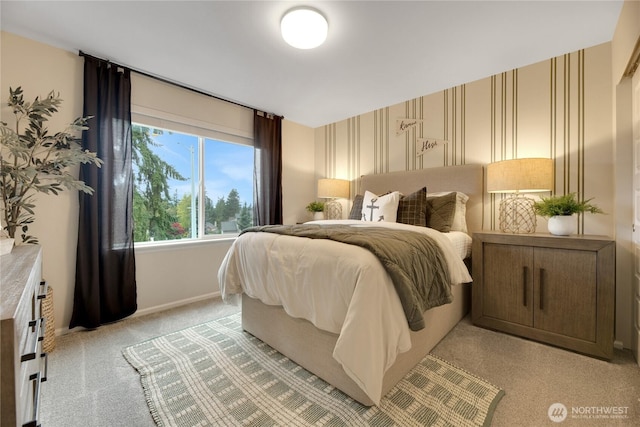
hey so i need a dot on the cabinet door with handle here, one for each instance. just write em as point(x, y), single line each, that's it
point(565, 292)
point(508, 283)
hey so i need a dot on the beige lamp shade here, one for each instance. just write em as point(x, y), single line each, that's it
point(520, 176)
point(330, 188)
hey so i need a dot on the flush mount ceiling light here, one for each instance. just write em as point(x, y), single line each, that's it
point(304, 28)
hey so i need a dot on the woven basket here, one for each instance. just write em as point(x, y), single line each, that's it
point(49, 342)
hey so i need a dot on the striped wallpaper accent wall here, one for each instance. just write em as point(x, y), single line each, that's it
point(567, 130)
point(353, 144)
point(504, 116)
point(581, 136)
point(381, 140)
point(329, 149)
point(410, 135)
point(549, 109)
point(553, 123)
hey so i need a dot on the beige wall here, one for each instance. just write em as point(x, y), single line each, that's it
point(168, 275)
point(298, 181)
point(39, 69)
point(626, 35)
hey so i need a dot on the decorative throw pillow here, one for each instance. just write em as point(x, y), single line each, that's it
point(380, 208)
point(441, 211)
point(412, 209)
point(356, 209)
point(460, 216)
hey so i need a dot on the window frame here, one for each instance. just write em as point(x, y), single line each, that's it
point(143, 116)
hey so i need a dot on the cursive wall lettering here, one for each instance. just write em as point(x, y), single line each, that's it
point(403, 125)
point(425, 144)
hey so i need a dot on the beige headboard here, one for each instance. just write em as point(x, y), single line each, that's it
point(468, 179)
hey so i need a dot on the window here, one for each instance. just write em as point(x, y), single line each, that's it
point(178, 176)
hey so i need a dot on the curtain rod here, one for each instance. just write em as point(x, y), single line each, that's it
point(161, 79)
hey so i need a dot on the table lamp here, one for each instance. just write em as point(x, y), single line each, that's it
point(515, 177)
point(331, 188)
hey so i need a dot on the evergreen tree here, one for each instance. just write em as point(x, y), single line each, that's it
point(209, 215)
point(219, 213)
point(153, 205)
point(245, 220)
point(140, 218)
point(232, 205)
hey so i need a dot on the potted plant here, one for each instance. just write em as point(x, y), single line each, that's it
point(560, 210)
point(317, 209)
point(34, 160)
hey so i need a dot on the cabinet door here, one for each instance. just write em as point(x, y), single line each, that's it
point(508, 283)
point(565, 292)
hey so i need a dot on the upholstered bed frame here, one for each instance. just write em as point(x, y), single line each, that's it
point(312, 348)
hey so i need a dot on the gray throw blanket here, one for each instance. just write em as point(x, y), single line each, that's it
point(414, 261)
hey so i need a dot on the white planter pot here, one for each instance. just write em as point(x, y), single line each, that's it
point(318, 215)
point(562, 225)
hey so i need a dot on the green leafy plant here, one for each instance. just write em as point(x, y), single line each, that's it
point(315, 207)
point(33, 160)
point(564, 206)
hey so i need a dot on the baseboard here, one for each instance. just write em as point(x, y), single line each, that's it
point(174, 304)
point(154, 309)
point(618, 345)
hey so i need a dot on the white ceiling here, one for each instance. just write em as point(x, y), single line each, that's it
point(378, 53)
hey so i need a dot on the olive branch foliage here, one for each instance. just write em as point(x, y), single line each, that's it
point(34, 160)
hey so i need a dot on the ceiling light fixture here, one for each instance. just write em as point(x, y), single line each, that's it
point(304, 28)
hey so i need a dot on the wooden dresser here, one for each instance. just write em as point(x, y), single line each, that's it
point(22, 363)
point(557, 290)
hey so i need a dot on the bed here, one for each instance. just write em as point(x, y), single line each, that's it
point(338, 344)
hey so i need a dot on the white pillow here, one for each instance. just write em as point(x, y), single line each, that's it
point(460, 215)
point(380, 208)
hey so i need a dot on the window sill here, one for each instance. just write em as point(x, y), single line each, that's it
point(172, 245)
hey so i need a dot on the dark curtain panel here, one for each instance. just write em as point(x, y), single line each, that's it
point(105, 288)
point(267, 180)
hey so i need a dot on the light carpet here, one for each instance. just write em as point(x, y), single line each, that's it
point(215, 374)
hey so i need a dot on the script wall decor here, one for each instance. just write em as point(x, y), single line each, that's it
point(403, 125)
point(425, 144)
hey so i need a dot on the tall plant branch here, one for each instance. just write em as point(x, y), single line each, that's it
point(40, 160)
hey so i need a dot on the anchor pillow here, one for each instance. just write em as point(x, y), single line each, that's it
point(380, 208)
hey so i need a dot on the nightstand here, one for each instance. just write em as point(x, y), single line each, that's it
point(554, 289)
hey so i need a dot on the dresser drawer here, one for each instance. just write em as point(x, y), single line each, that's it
point(21, 332)
point(30, 410)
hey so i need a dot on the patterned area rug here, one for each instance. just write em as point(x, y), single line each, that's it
point(215, 374)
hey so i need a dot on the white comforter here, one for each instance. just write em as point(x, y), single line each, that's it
point(340, 288)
